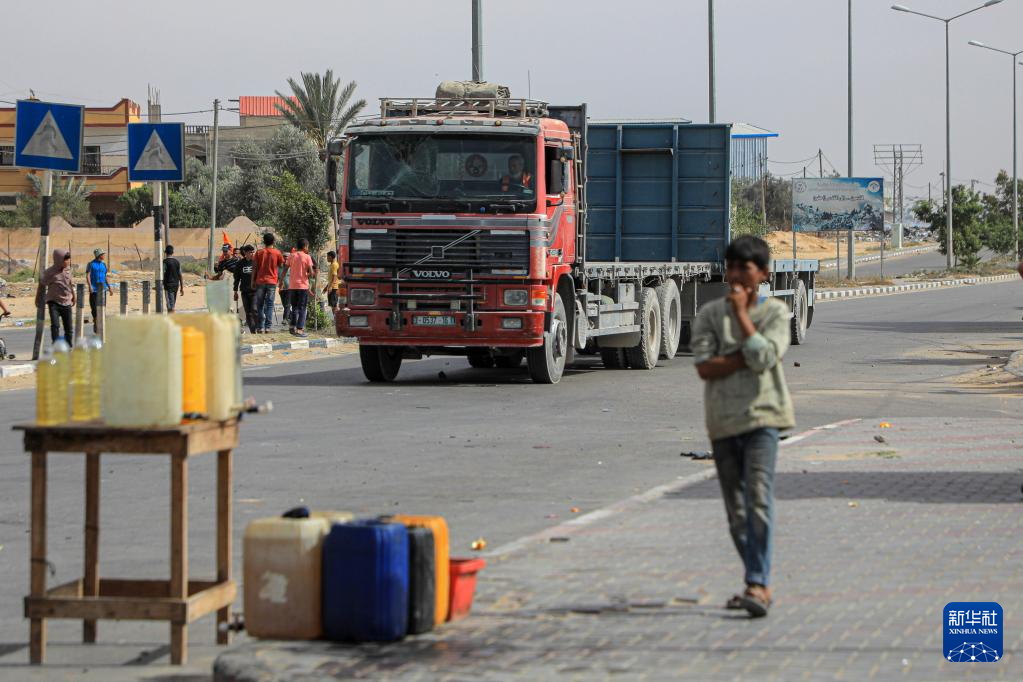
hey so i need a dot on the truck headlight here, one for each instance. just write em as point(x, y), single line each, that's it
point(362, 296)
point(358, 321)
point(516, 297)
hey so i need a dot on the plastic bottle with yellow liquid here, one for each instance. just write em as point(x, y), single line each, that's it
point(48, 393)
point(95, 345)
point(61, 402)
point(81, 382)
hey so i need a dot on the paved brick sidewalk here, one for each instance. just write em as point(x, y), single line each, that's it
point(873, 539)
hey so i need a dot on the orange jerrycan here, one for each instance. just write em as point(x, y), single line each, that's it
point(440, 547)
point(193, 371)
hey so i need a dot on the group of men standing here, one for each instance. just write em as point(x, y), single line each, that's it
point(259, 274)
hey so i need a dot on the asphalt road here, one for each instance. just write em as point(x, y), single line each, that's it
point(497, 455)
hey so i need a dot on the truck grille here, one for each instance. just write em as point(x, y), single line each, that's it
point(440, 248)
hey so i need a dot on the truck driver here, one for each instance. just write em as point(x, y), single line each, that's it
point(518, 178)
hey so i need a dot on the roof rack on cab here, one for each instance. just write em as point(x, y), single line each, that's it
point(492, 107)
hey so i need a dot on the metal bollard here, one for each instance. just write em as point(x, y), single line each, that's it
point(101, 303)
point(124, 298)
point(146, 287)
point(79, 312)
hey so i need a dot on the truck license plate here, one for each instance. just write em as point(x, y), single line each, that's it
point(433, 320)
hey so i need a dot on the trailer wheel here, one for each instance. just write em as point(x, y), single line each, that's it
point(670, 300)
point(380, 364)
point(800, 318)
point(547, 362)
point(481, 359)
point(644, 355)
point(510, 361)
point(614, 358)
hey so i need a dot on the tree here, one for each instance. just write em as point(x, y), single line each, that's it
point(70, 201)
point(967, 225)
point(319, 106)
point(747, 195)
point(298, 213)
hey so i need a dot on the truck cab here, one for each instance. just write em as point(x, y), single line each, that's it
point(457, 220)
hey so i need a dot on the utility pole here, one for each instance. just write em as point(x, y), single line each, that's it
point(213, 199)
point(477, 41)
point(711, 62)
point(158, 243)
point(929, 192)
point(820, 163)
point(851, 267)
point(44, 250)
point(155, 116)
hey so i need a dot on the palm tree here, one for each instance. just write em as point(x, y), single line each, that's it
point(317, 106)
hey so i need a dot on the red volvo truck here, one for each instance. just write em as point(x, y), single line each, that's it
point(506, 230)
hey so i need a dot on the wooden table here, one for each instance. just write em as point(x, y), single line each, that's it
point(178, 600)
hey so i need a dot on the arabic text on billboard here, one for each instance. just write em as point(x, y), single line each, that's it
point(824, 204)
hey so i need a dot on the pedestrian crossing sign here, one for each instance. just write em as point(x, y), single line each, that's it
point(48, 136)
point(156, 152)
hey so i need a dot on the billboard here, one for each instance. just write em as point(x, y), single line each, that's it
point(829, 204)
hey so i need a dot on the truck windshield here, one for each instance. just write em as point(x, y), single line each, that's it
point(442, 172)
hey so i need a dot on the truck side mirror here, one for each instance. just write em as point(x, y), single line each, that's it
point(332, 173)
point(336, 147)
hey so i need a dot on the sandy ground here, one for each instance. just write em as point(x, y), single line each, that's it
point(810, 246)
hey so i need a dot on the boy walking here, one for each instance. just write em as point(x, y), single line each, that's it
point(738, 343)
point(300, 268)
point(265, 265)
point(172, 280)
point(96, 275)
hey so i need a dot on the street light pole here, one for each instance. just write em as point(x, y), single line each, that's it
point(948, 117)
point(1015, 190)
point(851, 250)
point(710, 62)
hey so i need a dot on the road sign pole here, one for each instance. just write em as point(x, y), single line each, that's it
point(44, 250)
point(213, 198)
point(166, 213)
point(158, 243)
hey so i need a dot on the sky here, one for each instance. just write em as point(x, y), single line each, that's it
point(780, 64)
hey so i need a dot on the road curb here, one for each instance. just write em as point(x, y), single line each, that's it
point(264, 348)
point(916, 286)
point(16, 370)
point(829, 263)
point(248, 349)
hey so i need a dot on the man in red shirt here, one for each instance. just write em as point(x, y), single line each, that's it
point(264, 278)
point(300, 268)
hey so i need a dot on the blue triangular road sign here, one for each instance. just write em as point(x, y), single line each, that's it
point(48, 136)
point(156, 152)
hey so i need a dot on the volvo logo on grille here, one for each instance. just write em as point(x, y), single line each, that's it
point(374, 221)
point(431, 274)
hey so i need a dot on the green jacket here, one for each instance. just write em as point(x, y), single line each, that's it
point(754, 397)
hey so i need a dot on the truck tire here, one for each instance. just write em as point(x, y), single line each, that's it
point(547, 362)
point(481, 359)
point(644, 355)
point(380, 364)
point(614, 358)
point(800, 318)
point(512, 361)
point(670, 301)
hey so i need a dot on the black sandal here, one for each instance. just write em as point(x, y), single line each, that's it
point(755, 603)
point(735, 603)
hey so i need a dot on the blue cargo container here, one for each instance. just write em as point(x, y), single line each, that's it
point(657, 191)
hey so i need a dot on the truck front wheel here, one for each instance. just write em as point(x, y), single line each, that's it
point(380, 363)
point(547, 362)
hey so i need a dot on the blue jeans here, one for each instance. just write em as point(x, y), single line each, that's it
point(745, 465)
point(299, 308)
point(265, 305)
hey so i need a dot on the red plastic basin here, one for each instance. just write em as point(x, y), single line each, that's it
point(463, 586)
